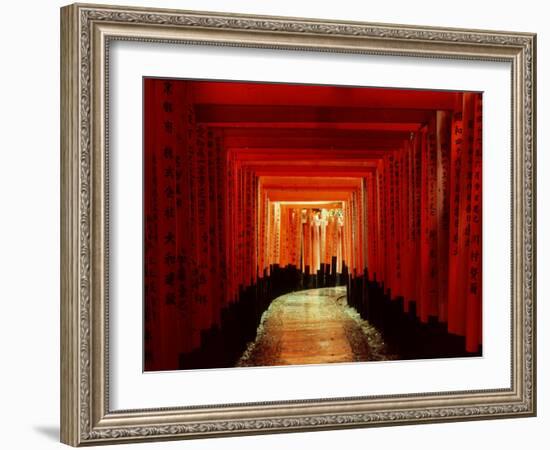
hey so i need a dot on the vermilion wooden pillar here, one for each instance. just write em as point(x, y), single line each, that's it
point(411, 200)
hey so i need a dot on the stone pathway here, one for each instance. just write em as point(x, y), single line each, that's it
point(314, 326)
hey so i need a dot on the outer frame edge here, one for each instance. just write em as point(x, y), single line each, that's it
point(70, 226)
point(69, 432)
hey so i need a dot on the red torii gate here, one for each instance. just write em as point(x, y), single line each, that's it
point(405, 165)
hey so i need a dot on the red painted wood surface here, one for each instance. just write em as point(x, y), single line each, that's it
point(241, 176)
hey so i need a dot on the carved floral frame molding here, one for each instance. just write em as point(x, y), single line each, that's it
point(86, 31)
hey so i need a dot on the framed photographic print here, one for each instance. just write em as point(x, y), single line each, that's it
point(275, 224)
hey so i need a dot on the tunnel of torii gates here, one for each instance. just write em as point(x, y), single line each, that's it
point(253, 190)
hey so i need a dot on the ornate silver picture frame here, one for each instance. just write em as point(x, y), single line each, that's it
point(87, 32)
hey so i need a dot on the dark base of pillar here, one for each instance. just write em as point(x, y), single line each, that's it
point(404, 334)
point(223, 345)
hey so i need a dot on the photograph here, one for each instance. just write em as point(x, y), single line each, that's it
point(275, 224)
point(279, 224)
point(290, 224)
